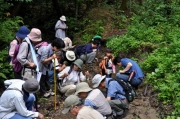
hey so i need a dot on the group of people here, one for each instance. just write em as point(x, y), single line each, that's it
point(38, 58)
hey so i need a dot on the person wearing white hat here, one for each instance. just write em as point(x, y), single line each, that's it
point(61, 27)
point(17, 100)
point(67, 58)
point(115, 94)
point(70, 77)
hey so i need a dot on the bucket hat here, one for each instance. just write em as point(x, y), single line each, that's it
point(63, 18)
point(97, 80)
point(79, 63)
point(82, 87)
point(31, 85)
point(22, 32)
point(70, 55)
point(35, 35)
point(69, 102)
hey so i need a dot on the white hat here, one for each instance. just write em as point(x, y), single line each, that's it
point(70, 55)
point(97, 80)
point(63, 18)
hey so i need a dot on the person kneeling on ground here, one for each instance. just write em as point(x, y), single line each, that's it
point(17, 100)
point(76, 108)
point(70, 76)
point(115, 95)
point(90, 49)
point(94, 98)
point(129, 66)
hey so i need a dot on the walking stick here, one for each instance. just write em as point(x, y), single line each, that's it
point(55, 84)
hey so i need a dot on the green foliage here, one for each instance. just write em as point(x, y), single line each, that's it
point(154, 30)
point(8, 28)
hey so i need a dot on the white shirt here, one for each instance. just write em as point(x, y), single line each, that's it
point(12, 102)
point(71, 77)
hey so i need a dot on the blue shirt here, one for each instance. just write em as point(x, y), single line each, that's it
point(135, 66)
point(114, 90)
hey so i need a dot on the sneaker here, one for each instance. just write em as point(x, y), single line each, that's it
point(46, 94)
point(51, 93)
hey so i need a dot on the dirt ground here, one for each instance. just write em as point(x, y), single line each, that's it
point(140, 108)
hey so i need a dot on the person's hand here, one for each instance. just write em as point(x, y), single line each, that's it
point(73, 46)
point(53, 56)
point(66, 27)
point(86, 73)
point(94, 50)
point(31, 64)
point(66, 74)
point(40, 116)
point(96, 59)
point(121, 71)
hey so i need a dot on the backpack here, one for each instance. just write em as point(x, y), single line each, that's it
point(17, 65)
point(129, 92)
point(40, 45)
point(8, 48)
point(78, 50)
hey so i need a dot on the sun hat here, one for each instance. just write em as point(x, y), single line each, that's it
point(22, 32)
point(35, 35)
point(97, 80)
point(31, 85)
point(69, 102)
point(82, 87)
point(63, 18)
point(70, 55)
point(79, 63)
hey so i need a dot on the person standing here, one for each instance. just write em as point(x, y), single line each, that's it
point(129, 67)
point(20, 35)
point(26, 55)
point(17, 100)
point(45, 57)
point(61, 28)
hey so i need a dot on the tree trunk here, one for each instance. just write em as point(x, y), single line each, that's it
point(57, 7)
point(123, 5)
point(16, 8)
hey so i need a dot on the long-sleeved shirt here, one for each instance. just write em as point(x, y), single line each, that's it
point(68, 43)
point(13, 47)
point(43, 53)
point(12, 102)
point(60, 33)
point(71, 77)
point(24, 55)
point(88, 113)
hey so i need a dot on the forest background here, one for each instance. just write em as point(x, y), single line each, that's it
point(146, 31)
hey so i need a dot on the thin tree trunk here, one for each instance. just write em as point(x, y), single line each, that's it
point(123, 5)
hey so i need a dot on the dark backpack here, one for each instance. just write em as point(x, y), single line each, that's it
point(78, 50)
point(8, 48)
point(129, 92)
point(17, 65)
